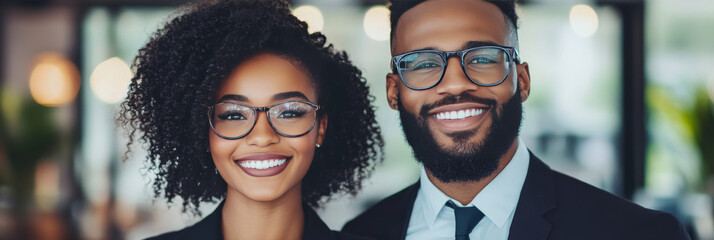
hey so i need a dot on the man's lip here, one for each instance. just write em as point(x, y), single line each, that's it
point(457, 107)
point(262, 156)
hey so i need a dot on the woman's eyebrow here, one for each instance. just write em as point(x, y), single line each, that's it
point(276, 97)
point(233, 97)
point(287, 95)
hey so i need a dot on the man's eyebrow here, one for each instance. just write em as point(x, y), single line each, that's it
point(286, 95)
point(425, 48)
point(233, 97)
point(469, 44)
point(473, 44)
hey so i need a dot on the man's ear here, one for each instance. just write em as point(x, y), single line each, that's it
point(524, 80)
point(392, 90)
point(322, 128)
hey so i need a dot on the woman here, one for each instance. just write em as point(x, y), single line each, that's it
point(236, 101)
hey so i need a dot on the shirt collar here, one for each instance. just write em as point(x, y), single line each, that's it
point(497, 200)
point(434, 199)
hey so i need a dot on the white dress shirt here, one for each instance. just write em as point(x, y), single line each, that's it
point(431, 219)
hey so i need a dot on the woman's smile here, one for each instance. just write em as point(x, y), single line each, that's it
point(263, 164)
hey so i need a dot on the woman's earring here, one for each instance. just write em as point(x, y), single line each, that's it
point(317, 145)
point(216, 169)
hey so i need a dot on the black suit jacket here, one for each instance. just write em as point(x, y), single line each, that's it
point(209, 228)
point(551, 206)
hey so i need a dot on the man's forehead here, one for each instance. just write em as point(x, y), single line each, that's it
point(449, 25)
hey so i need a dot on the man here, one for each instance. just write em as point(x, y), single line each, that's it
point(458, 83)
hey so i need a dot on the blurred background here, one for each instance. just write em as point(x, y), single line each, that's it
point(622, 95)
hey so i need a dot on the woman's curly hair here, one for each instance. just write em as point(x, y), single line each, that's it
point(183, 64)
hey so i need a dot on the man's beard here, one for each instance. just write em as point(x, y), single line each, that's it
point(464, 161)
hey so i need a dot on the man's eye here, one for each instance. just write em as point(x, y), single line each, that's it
point(482, 60)
point(425, 65)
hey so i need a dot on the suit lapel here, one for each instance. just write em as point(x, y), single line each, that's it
point(537, 198)
point(398, 230)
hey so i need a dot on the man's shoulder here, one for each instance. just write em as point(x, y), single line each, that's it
point(584, 208)
point(573, 194)
point(387, 212)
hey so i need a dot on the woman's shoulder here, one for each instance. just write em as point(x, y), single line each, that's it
point(169, 235)
point(200, 230)
point(208, 228)
point(185, 234)
point(348, 236)
point(315, 228)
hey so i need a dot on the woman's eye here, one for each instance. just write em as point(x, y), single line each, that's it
point(291, 114)
point(231, 116)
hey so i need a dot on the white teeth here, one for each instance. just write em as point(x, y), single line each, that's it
point(457, 115)
point(263, 164)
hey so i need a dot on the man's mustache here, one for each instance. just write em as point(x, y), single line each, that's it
point(464, 97)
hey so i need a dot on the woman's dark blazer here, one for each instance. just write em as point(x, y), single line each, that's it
point(210, 228)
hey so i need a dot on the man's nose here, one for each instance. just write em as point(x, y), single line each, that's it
point(455, 81)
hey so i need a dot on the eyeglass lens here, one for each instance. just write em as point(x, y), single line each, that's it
point(425, 69)
point(233, 120)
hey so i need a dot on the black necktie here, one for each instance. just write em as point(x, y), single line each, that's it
point(466, 219)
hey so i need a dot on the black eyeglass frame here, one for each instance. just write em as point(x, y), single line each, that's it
point(513, 56)
point(256, 110)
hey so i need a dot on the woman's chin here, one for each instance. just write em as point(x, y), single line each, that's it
point(263, 193)
point(264, 196)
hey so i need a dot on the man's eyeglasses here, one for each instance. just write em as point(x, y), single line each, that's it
point(485, 66)
point(230, 120)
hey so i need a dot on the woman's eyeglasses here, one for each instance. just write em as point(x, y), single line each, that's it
point(231, 120)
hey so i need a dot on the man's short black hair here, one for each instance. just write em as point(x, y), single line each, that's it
point(399, 7)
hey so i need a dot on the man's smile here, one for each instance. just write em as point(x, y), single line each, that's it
point(458, 117)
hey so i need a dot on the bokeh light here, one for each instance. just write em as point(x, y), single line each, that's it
point(583, 20)
point(47, 185)
point(110, 80)
point(376, 23)
point(54, 80)
point(312, 16)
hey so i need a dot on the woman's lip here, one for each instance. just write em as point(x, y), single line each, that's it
point(264, 171)
point(262, 156)
point(457, 107)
